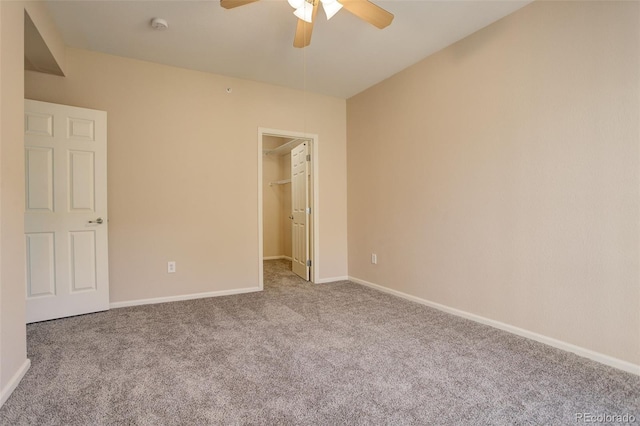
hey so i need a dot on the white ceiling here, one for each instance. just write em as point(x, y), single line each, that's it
point(255, 41)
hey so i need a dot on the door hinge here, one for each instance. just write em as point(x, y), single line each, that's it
point(308, 210)
point(309, 263)
point(308, 157)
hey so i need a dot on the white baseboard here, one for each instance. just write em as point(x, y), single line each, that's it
point(559, 344)
point(276, 257)
point(331, 280)
point(181, 297)
point(14, 381)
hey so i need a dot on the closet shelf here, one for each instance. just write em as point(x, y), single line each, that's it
point(280, 182)
point(284, 148)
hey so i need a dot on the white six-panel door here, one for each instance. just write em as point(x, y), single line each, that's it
point(65, 201)
point(300, 207)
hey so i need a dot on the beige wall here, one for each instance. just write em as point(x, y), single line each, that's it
point(273, 198)
point(44, 48)
point(13, 356)
point(285, 211)
point(39, 14)
point(500, 175)
point(12, 309)
point(182, 167)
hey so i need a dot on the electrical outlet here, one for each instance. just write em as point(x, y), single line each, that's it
point(374, 258)
point(171, 267)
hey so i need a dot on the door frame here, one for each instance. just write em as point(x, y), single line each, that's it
point(314, 247)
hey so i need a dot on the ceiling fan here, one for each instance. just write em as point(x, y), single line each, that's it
point(305, 11)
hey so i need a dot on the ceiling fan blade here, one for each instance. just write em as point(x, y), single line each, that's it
point(304, 29)
point(367, 11)
point(230, 4)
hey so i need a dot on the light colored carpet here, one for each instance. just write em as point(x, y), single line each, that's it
point(300, 353)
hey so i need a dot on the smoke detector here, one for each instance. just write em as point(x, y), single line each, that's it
point(159, 24)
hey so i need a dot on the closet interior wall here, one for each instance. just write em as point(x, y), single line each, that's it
point(276, 198)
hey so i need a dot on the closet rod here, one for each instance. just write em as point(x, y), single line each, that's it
point(280, 182)
point(282, 147)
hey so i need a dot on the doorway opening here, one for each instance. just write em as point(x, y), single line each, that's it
point(288, 200)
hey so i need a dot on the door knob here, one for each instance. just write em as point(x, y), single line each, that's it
point(291, 217)
point(98, 221)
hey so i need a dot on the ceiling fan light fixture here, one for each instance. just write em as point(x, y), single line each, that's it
point(305, 12)
point(331, 7)
point(296, 3)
